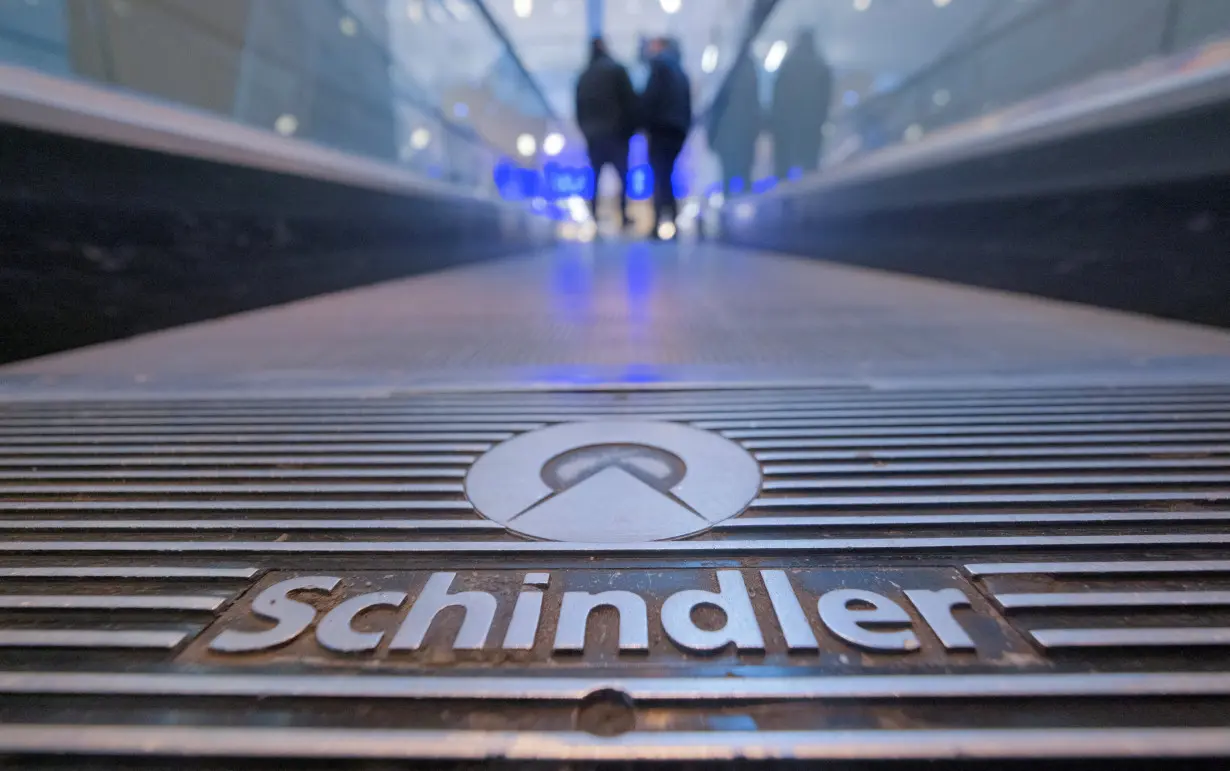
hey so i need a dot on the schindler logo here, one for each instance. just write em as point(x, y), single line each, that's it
point(509, 616)
point(609, 482)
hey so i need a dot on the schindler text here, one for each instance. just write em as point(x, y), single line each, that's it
point(558, 612)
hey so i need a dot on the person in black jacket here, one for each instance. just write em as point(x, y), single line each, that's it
point(606, 115)
point(801, 99)
point(666, 115)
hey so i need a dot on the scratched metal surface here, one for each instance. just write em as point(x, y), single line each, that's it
point(1084, 530)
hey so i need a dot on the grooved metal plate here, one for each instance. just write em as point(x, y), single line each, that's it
point(913, 574)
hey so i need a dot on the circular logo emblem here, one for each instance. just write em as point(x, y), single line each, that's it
point(613, 482)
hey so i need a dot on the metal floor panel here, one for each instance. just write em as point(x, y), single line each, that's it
point(642, 314)
point(1045, 578)
point(489, 515)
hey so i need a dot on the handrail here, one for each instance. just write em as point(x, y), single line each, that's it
point(760, 13)
point(466, 132)
point(92, 111)
point(498, 29)
point(964, 49)
point(33, 41)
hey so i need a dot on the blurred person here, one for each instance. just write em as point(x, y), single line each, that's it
point(801, 99)
point(734, 124)
point(666, 115)
point(606, 115)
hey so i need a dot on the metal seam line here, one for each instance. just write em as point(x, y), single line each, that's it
point(294, 428)
point(75, 571)
point(238, 505)
point(446, 462)
point(309, 743)
point(452, 416)
point(1094, 568)
point(967, 430)
point(226, 450)
point(979, 453)
point(873, 468)
point(91, 638)
point(513, 393)
point(989, 440)
point(664, 547)
point(1151, 637)
point(249, 475)
point(837, 501)
point(1160, 599)
point(878, 520)
point(953, 480)
point(754, 523)
point(255, 524)
point(901, 499)
point(566, 688)
point(713, 420)
point(109, 602)
point(394, 488)
point(750, 402)
point(323, 439)
point(1042, 421)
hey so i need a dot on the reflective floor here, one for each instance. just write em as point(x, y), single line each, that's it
point(638, 313)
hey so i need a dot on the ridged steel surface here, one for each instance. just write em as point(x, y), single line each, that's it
point(1086, 528)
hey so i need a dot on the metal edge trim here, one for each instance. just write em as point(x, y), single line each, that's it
point(259, 524)
point(1128, 567)
point(668, 547)
point(640, 746)
point(891, 520)
point(21, 390)
point(646, 689)
point(127, 572)
point(74, 108)
point(1135, 104)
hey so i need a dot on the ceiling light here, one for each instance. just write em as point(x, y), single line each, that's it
point(862, 5)
point(709, 59)
point(914, 133)
point(941, 3)
point(420, 138)
point(941, 98)
point(348, 26)
point(523, 8)
point(777, 54)
point(671, 6)
point(414, 10)
point(553, 145)
point(527, 145)
point(286, 124)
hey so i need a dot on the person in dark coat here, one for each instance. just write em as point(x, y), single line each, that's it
point(734, 123)
point(801, 99)
point(666, 115)
point(606, 114)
